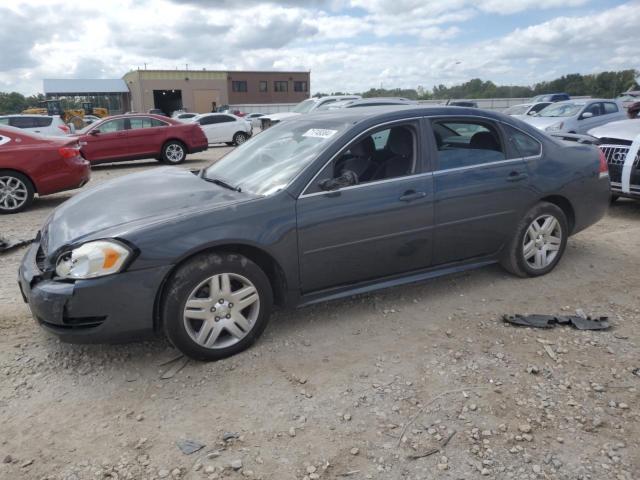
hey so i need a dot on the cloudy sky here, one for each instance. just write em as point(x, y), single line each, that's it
point(349, 45)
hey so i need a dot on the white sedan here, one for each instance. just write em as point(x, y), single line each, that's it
point(224, 128)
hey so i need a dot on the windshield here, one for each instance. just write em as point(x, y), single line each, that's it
point(561, 110)
point(269, 161)
point(516, 110)
point(304, 106)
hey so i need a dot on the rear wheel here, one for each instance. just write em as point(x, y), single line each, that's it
point(539, 242)
point(216, 305)
point(16, 192)
point(239, 138)
point(174, 152)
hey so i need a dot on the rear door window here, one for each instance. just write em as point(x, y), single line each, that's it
point(43, 121)
point(610, 107)
point(466, 143)
point(145, 122)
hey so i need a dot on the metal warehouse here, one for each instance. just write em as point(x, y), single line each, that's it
point(111, 94)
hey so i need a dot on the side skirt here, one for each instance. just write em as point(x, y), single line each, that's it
point(388, 282)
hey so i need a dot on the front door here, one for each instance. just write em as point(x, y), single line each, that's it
point(481, 189)
point(380, 224)
point(107, 141)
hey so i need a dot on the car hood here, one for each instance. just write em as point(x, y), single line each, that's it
point(542, 122)
point(281, 116)
point(623, 130)
point(134, 201)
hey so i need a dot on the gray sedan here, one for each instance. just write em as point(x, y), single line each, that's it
point(576, 116)
point(324, 206)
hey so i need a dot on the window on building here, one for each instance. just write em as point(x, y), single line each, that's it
point(239, 85)
point(263, 86)
point(281, 86)
point(300, 86)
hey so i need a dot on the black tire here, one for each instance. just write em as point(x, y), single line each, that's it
point(231, 144)
point(513, 258)
point(15, 183)
point(239, 138)
point(188, 278)
point(174, 152)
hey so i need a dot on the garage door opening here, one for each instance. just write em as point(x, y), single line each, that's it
point(167, 100)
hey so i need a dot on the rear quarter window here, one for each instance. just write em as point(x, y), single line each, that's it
point(524, 144)
point(610, 107)
point(43, 121)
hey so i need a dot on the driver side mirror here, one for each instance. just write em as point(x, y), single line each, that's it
point(347, 179)
point(586, 115)
point(95, 131)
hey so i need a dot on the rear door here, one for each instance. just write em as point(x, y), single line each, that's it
point(145, 135)
point(106, 141)
point(481, 188)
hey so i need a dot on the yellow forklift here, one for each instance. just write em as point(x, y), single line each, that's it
point(74, 116)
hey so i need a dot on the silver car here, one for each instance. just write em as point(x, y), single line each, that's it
point(525, 109)
point(576, 116)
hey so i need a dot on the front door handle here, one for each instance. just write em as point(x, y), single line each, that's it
point(411, 195)
point(517, 177)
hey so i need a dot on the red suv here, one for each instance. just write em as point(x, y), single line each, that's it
point(132, 137)
point(31, 163)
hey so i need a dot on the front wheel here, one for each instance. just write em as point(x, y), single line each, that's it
point(216, 305)
point(173, 152)
point(239, 138)
point(539, 242)
point(16, 192)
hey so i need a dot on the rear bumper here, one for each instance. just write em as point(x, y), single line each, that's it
point(115, 308)
point(593, 203)
point(77, 174)
point(199, 147)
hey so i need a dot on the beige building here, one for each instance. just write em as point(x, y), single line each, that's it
point(202, 90)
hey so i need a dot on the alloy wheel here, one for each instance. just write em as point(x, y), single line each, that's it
point(240, 139)
point(175, 153)
point(542, 242)
point(221, 310)
point(13, 193)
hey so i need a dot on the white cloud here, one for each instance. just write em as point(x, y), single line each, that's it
point(397, 43)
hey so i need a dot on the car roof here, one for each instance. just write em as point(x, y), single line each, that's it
point(396, 111)
point(37, 115)
point(145, 115)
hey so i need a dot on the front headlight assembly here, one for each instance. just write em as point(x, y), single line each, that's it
point(93, 259)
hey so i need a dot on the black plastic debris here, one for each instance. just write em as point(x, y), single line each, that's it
point(550, 321)
point(189, 446)
point(6, 244)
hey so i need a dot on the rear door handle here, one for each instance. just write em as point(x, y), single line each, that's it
point(411, 195)
point(517, 177)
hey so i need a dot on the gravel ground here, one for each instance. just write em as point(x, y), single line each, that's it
point(416, 382)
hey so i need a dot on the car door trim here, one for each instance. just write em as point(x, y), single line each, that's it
point(352, 187)
point(368, 239)
point(350, 142)
point(481, 165)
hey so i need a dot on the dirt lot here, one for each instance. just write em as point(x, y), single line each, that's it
point(353, 389)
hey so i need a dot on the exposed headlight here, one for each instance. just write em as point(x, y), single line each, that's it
point(93, 259)
point(555, 127)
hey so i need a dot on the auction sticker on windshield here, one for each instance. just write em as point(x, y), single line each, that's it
point(319, 133)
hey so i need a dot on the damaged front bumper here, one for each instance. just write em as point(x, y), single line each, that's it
point(113, 308)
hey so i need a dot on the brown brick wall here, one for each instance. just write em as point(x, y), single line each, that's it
point(253, 94)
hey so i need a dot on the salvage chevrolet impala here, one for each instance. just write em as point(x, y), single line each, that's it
point(325, 206)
